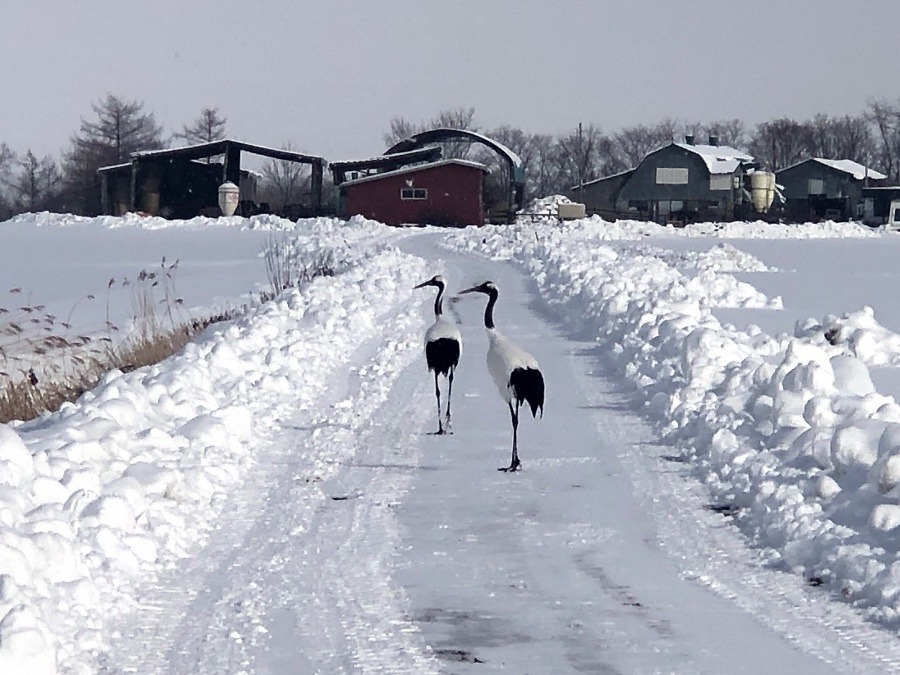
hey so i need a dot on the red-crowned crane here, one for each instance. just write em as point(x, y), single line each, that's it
point(515, 372)
point(443, 345)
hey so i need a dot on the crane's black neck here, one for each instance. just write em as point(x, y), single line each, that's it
point(489, 310)
point(438, 301)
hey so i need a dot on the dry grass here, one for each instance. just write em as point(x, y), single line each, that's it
point(43, 364)
point(286, 267)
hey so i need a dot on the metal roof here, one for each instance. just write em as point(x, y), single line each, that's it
point(202, 150)
point(855, 169)
point(339, 170)
point(417, 167)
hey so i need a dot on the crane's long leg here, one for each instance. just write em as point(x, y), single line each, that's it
point(449, 397)
point(437, 394)
point(514, 463)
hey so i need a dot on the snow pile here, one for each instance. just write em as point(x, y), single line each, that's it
point(134, 220)
point(133, 476)
point(787, 432)
point(547, 206)
point(595, 228)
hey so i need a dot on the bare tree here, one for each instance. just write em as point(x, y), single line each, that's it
point(459, 118)
point(120, 129)
point(542, 172)
point(208, 127)
point(7, 157)
point(284, 181)
point(35, 185)
point(781, 143)
point(885, 117)
point(401, 129)
point(732, 133)
point(578, 155)
point(634, 143)
point(853, 139)
point(841, 138)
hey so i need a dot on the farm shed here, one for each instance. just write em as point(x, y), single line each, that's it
point(877, 204)
point(684, 182)
point(817, 188)
point(601, 196)
point(447, 192)
point(512, 171)
point(175, 183)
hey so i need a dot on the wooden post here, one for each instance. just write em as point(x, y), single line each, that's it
point(316, 186)
point(104, 194)
point(134, 171)
point(233, 164)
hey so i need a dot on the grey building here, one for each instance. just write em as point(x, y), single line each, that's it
point(684, 182)
point(825, 189)
point(601, 196)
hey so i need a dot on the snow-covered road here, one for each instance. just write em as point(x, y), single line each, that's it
point(361, 543)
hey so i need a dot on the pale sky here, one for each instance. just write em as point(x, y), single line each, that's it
point(329, 76)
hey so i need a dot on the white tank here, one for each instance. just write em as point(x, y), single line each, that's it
point(762, 190)
point(229, 198)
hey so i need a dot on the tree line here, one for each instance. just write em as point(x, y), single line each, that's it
point(554, 164)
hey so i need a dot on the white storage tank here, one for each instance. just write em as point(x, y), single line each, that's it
point(762, 190)
point(229, 198)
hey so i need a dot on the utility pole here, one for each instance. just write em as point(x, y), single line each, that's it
point(580, 167)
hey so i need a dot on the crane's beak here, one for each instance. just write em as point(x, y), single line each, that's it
point(474, 289)
point(425, 283)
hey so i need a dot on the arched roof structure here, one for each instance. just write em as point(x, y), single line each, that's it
point(440, 135)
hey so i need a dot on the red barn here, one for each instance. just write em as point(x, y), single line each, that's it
point(448, 192)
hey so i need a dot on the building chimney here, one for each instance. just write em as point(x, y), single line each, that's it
point(689, 139)
point(713, 140)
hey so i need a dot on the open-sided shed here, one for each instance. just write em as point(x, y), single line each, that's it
point(176, 183)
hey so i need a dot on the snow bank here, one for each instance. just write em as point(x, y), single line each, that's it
point(111, 489)
point(548, 206)
point(596, 228)
point(788, 431)
point(134, 220)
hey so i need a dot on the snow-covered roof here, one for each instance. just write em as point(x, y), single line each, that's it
point(417, 167)
point(220, 146)
point(113, 167)
point(855, 169)
point(436, 135)
point(718, 158)
point(500, 146)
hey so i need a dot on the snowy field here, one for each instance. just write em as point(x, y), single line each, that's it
point(715, 485)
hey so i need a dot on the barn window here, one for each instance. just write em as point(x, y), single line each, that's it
point(671, 176)
point(816, 186)
point(720, 181)
point(413, 193)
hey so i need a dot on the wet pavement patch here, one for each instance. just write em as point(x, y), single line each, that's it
point(457, 655)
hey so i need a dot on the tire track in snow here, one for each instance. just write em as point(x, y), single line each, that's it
point(711, 552)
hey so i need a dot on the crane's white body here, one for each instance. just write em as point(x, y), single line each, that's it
point(441, 328)
point(515, 372)
point(503, 357)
